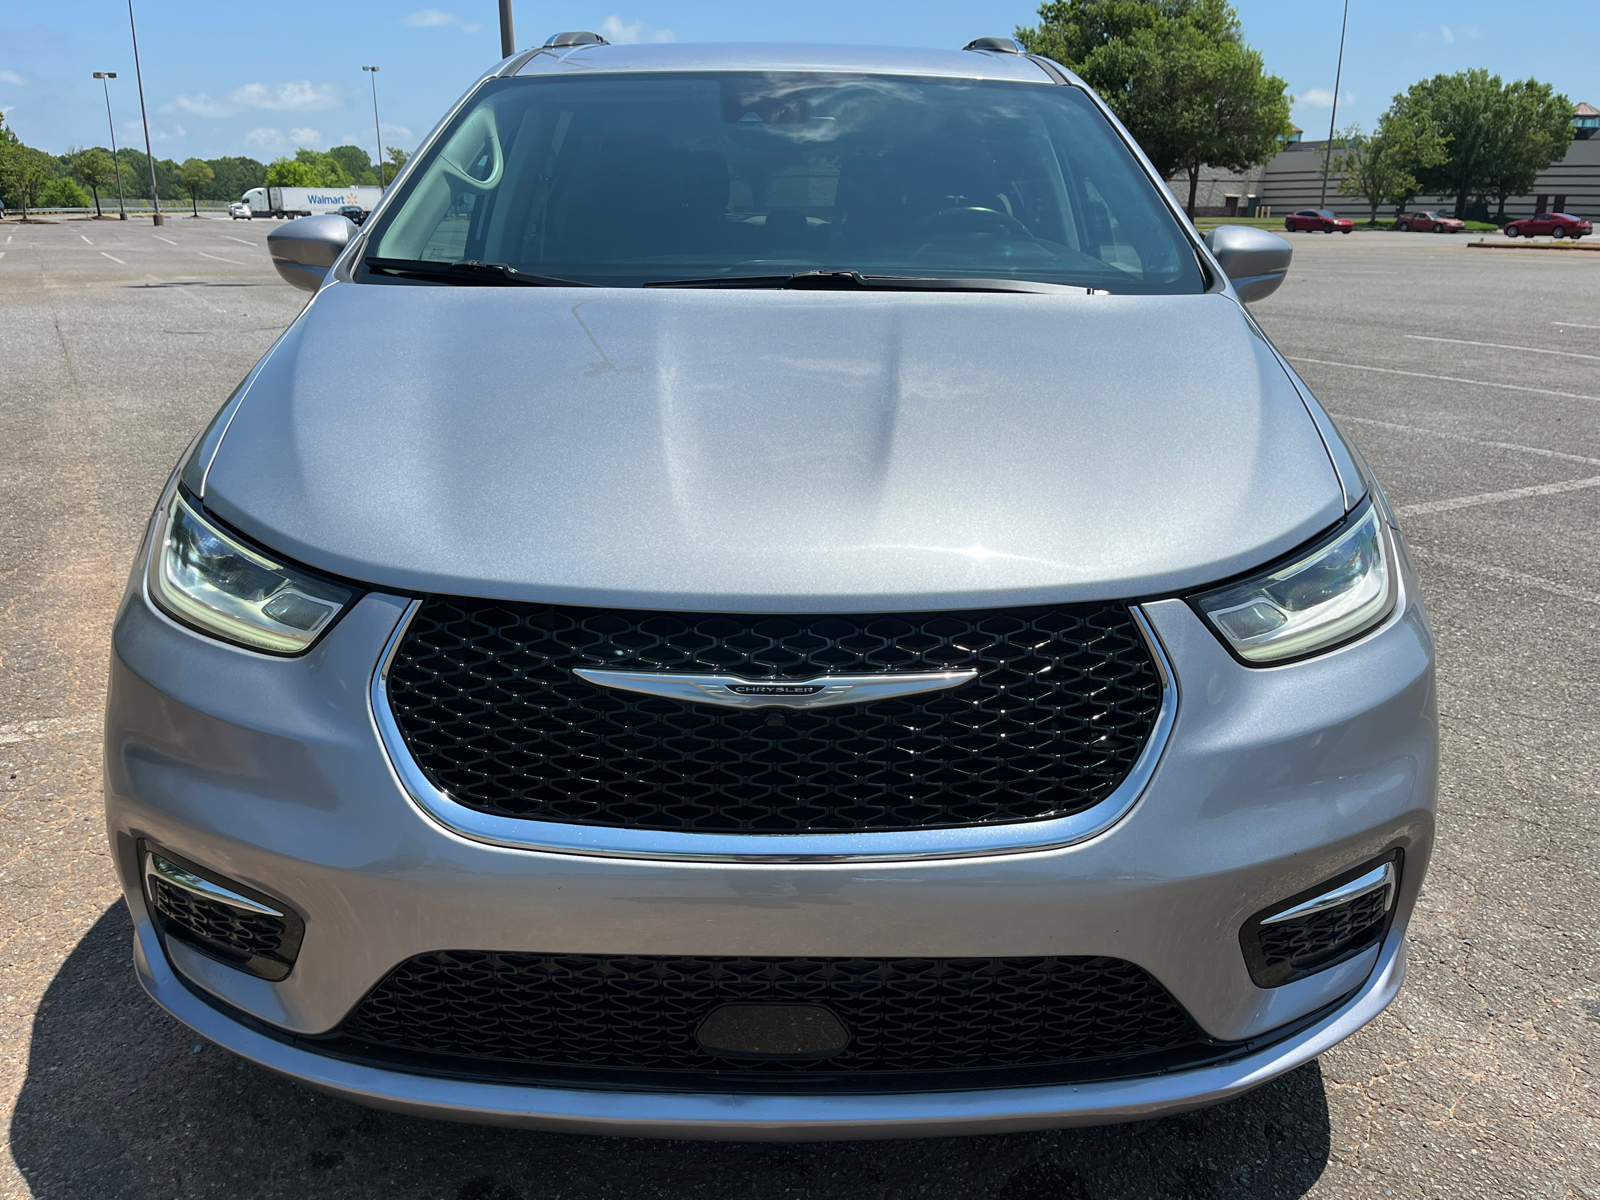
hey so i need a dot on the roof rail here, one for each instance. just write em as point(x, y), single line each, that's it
point(560, 41)
point(998, 45)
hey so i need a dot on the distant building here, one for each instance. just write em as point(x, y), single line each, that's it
point(1292, 179)
point(1227, 193)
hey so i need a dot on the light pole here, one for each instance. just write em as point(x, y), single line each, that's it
point(376, 128)
point(508, 38)
point(116, 163)
point(150, 159)
point(1327, 158)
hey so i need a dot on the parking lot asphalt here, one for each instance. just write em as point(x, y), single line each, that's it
point(1470, 380)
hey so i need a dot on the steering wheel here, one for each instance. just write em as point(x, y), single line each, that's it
point(971, 219)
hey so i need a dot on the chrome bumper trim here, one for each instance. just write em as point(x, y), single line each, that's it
point(1381, 877)
point(156, 867)
point(607, 841)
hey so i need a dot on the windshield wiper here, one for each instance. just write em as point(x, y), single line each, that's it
point(468, 272)
point(855, 281)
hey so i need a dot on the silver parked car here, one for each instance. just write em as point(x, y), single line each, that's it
point(835, 623)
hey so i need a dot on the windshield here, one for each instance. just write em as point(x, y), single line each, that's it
point(630, 179)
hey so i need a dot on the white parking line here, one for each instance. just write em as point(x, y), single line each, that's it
point(1533, 581)
point(86, 240)
point(1461, 437)
point(112, 257)
point(1510, 387)
point(2, 253)
point(1422, 337)
point(219, 258)
point(1543, 489)
point(159, 238)
point(1573, 325)
point(241, 241)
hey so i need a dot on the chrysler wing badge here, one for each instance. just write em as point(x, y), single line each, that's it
point(730, 691)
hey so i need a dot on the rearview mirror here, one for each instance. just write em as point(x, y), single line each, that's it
point(1255, 260)
point(303, 250)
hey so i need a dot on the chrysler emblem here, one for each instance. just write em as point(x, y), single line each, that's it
point(729, 691)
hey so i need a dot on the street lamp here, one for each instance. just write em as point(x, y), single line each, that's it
point(508, 37)
point(116, 163)
point(1327, 159)
point(376, 128)
point(150, 159)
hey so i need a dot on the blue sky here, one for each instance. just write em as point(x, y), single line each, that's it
point(262, 79)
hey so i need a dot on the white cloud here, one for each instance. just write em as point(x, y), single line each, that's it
point(11, 77)
point(264, 137)
point(431, 18)
point(1444, 32)
point(200, 105)
point(6, 110)
point(305, 137)
point(1472, 33)
point(300, 95)
point(393, 135)
point(1321, 98)
point(623, 33)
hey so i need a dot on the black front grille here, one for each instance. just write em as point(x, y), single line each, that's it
point(615, 1014)
point(483, 694)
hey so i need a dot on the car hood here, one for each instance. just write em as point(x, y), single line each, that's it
point(773, 450)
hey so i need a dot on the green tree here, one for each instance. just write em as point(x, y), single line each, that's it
point(354, 161)
point(96, 169)
point(397, 159)
point(194, 175)
point(329, 173)
point(1383, 168)
point(289, 172)
point(1535, 131)
point(1177, 73)
point(1467, 107)
point(29, 172)
point(63, 192)
point(234, 176)
point(9, 148)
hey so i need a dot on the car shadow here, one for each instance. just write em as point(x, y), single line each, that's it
point(120, 1100)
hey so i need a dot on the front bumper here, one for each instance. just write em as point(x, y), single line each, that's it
point(786, 1118)
point(271, 772)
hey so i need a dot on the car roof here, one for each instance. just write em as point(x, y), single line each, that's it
point(758, 56)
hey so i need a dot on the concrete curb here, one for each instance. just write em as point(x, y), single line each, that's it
point(1521, 245)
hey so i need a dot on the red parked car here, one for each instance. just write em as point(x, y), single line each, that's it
point(1428, 222)
point(1311, 220)
point(1555, 224)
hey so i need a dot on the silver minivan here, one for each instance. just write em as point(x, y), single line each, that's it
point(773, 592)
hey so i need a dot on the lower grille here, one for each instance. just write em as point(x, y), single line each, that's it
point(1300, 946)
point(484, 696)
point(471, 1009)
point(1323, 926)
point(257, 939)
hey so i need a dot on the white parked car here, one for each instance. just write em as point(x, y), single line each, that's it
point(240, 211)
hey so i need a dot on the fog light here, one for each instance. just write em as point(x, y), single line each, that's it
point(1323, 926)
point(220, 918)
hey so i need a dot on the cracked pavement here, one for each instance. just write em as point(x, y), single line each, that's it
point(1470, 380)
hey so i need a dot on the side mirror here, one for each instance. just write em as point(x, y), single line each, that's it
point(304, 250)
point(1255, 260)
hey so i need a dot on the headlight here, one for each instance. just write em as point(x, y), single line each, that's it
point(212, 581)
point(1326, 596)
